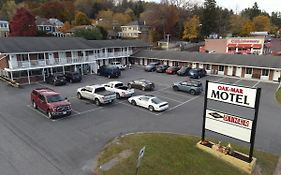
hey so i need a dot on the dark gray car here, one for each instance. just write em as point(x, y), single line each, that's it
point(192, 87)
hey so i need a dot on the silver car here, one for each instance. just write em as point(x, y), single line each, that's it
point(192, 87)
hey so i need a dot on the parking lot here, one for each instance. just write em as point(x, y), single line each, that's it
point(32, 144)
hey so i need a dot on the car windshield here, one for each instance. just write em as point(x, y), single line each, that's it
point(156, 100)
point(119, 84)
point(193, 71)
point(54, 98)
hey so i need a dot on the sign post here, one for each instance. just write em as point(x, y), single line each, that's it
point(230, 125)
point(141, 154)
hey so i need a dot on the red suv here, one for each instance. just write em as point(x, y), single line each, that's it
point(50, 102)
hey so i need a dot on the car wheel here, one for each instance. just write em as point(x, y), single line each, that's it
point(34, 105)
point(143, 88)
point(49, 115)
point(118, 96)
point(175, 88)
point(79, 95)
point(192, 92)
point(97, 102)
point(151, 108)
point(133, 102)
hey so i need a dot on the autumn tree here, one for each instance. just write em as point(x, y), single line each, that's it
point(63, 10)
point(191, 29)
point(23, 23)
point(122, 18)
point(105, 19)
point(163, 18)
point(8, 9)
point(66, 26)
point(236, 23)
point(262, 23)
point(81, 19)
point(247, 28)
point(85, 6)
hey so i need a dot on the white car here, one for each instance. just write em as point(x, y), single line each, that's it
point(119, 65)
point(119, 88)
point(152, 103)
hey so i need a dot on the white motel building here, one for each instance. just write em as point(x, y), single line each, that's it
point(31, 59)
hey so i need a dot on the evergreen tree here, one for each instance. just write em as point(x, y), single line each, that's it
point(209, 18)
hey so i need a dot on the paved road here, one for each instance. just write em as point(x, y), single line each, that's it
point(30, 144)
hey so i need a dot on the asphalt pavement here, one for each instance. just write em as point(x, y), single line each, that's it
point(31, 144)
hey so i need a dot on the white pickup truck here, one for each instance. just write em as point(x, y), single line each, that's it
point(119, 88)
point(119, 65)
point(96, 93)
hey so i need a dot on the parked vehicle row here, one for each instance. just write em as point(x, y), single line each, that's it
point(61, 79)
point(195, 73)
point(51, 102)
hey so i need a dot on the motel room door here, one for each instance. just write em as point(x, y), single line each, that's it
point(276, 75)
point(238, 72)
point(229, 70)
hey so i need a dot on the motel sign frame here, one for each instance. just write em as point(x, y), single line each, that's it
point(245, 97)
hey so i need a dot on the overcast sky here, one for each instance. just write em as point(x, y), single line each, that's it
point(266, 5)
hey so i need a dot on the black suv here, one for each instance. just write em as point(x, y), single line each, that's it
point(197, 73)
point(151, 66)
point(73, 77)
point(184, 71)
point(56, 79)
point(109, 71)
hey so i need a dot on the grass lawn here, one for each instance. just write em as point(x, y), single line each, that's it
point(278, 95)
point(170, 154)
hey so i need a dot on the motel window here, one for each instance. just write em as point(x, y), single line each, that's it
point(264, 72)
point(249, 70)
point(221, 68)
point(208, 67)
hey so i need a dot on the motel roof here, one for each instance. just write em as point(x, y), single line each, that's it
point(207, 58)
point(41, 44)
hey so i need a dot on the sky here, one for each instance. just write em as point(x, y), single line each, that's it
point(238, 5)
point(265, 5)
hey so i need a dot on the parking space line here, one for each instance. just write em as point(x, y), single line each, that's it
point(220, 79)
point(179, 105)
point(75, 111)
point(236, 81)
point(175, 93)
point(87, 111)
point(44, 85)
point(169, 98)
point(39, 112)
point(256, 84)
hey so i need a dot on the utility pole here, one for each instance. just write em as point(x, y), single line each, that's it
point(168, 40)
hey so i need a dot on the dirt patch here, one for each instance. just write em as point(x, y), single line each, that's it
point(119, 157)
